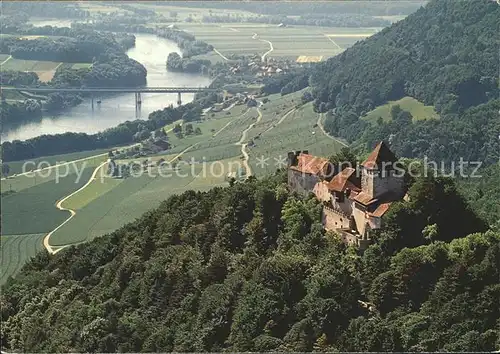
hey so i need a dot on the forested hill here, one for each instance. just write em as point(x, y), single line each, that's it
point(250, 268)
point(445, 55)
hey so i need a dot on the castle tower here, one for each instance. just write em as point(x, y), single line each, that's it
point(379, 175)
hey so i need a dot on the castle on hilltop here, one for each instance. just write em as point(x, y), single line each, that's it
point(354, 199)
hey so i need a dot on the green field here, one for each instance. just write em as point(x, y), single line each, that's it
point(418, 110)
point(297, 131)
point(16, 251)
point(16, 167)
point(95, 7)
point(29, 65)
point(32, 210)
point(101, 185)
point(29, 180)
point(129, 200)
point(195, 13)
point(81, 66)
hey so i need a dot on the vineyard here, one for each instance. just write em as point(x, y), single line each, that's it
point(297, 132)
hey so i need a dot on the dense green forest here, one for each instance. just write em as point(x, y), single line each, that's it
point(189, 65)
point(445, 55)
point(483, 194)
point(250, 268)
point(74, 47)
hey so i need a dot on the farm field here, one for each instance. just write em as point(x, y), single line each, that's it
point(184, 12)
point(30, 65)
point(297, 131)
point(29, 180)
point(93, 7)
point(16, 251)
point(418, 110)
point(101, 185)
point(32, 210)
point(16, 167)
point(44, 69)
point(289, 42)
point(130, 198)
point(81, 66)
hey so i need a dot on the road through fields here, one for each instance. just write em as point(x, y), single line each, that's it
point(59, 206)
point(248, 169)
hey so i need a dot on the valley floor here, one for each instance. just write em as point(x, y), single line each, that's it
point(236, 143)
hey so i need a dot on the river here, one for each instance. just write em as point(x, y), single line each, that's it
point(151, 51)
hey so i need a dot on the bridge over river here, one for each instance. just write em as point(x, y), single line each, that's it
point(97, 90)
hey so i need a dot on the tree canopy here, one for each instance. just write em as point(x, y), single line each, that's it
point(445, 55)
point(250, 268)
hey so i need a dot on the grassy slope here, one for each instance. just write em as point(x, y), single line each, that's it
point(17, 250)
point(295, 132)
point(16, 167)
point(32, 210)
point(21, 182)
point(418, 110)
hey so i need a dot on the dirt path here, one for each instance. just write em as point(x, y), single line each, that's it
point(6, 60)
point(320, 125)
point(271, 47)
point(46, 244)
point(220, 54)
point(331, 40)
point(282, 119)
point(248, 169)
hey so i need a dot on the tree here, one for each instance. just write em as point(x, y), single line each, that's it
point(344, 158)
point(188, 129)
point(5, 169)
point(173, 14)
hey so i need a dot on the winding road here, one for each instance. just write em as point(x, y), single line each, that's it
point(46, 244)
point(248, 169)
point(263, 58)
point(320, 125)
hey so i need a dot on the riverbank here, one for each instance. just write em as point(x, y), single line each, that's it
point(151, 51)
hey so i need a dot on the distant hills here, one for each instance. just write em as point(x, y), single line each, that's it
point(444, 55)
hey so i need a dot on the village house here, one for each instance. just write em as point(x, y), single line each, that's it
point(354, 200)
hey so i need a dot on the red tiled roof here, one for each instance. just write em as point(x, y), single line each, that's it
point(341, 182)
point(381, 210)
point(311, 164)
point(379, 155)
point(364, 199)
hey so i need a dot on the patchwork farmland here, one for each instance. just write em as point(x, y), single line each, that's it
point(288, 42)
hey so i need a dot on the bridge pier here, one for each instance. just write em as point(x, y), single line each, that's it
point(138, 101)
point(179, 100)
